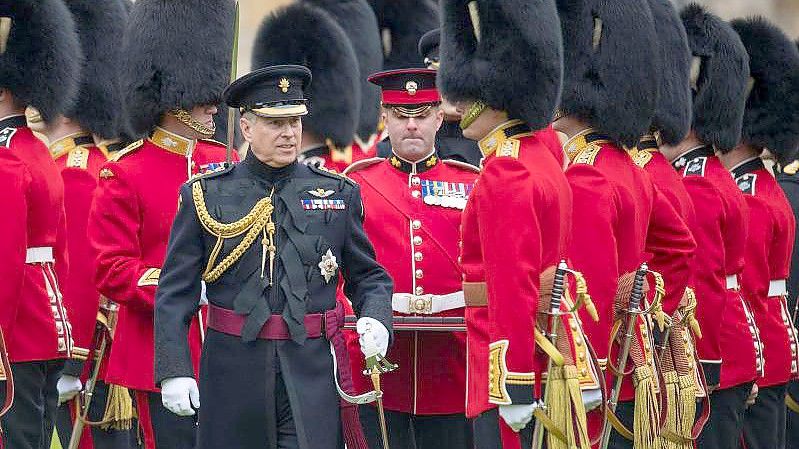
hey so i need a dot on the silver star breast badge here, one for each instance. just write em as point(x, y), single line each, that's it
point(328, 265)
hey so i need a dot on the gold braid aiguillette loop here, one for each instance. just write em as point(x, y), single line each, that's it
point(185, 117)
point(258, 219)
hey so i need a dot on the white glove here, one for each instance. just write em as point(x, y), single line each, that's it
point(372, 336)
point(517, 416)
point(180, 395)
point(68, 386)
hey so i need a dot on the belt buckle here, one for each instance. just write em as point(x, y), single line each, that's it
point(421, 304)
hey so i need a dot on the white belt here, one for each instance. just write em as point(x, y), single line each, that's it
point(732, 282)
point(777, 287)
point(426, 304)
point(39, 254)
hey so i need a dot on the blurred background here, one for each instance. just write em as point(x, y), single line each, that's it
point(785, 13)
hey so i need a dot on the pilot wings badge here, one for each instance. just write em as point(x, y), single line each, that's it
point(321, 193)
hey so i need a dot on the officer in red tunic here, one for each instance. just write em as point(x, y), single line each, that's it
point(306, 34)
point(97, 110)
point(729, 348)
point(770, 122)
point(170, 98)
point(516, 224)
point(39, 65)
point(620, 218)
point(413, 202)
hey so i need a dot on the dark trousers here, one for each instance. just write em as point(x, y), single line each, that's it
point(29, 423)
point(161, 428)
point(792, 418)
point(764, 422)
point(724, 427)
point(409, 431)
point(491, 432)
point(100, 439)
point(625, 413)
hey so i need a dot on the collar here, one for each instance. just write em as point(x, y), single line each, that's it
point(512, 129)
point(68, 143)
point(747, 166)
point(701, 151)
point(264, 171)
point(582, 141)
point(13, 121)
point(172, 142)
point(420, 166)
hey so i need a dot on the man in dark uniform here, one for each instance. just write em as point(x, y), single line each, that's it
point(306, 34)
point(770, 122)
point(40, 60)
point(450, 142)
point(271, 238)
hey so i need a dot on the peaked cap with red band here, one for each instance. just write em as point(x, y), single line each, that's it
point(404, 87)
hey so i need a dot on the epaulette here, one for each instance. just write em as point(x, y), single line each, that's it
point(215, 142)
point(213, 173)
point(128, 150)
point(747, 183)
point(5, 137)
point(78, 157)
point(461, 164)
point(363, 163)
point(588, 155)
point(641, 158)
point(330, 173)
point(696, 167)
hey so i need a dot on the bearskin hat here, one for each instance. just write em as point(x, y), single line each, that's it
point(307, 35)
point(402, 23)
point(40, 56)
point(175, 55)
point(361, 25)
point(611, 66)
point(720, 73)
point(771, 117)
point(516, 63)
point(100, 25)
point(673, 112)
point(429, 44)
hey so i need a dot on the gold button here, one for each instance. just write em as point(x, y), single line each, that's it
point(416, 224)
point(578, 341)
point(583, 372)
point(419, 274)
point(574, 326)
point(419, 290)
point(415, 181)
point(417, 240)
point(416, 194)
point(581, 356)
point(417, 256)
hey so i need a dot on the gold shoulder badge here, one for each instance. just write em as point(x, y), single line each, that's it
point(509, 148)
point(588, 155)
point(106, 173)
point(641, 158)
point(128, 150)
point(78, 158)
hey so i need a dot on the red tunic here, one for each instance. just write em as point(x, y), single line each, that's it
point(619, 219)
point(35, 320)
point(720, 231)
point(80, 161)
point(768, 253)
point(131, 217)
point(415, 230)
point(515, 225)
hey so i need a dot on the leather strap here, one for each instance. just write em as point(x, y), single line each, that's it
point(475, 294)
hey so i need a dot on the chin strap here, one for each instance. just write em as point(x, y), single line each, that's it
point(185, 117)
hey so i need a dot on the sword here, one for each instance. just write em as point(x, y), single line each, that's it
point(554, 322)
point(633, 310)
point(104, 332)
point(377, 364)
point(231, 113)
point(418, 323)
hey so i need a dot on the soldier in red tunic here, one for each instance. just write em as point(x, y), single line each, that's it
point(729, 348)
point(413, 202)
point(97, 111)
point(308, 35)
point(39, 65)
point(620, 218)
point(517, 222)
point(171, 89)
point(770, 122)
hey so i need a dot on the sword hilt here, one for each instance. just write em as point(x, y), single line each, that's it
point(637, 294)
point(558, 287)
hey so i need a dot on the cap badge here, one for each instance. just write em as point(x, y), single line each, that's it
point(284, 85)
point(411, 87)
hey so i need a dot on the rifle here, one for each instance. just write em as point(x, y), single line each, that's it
point(103, 335)
point(554, 322)
point(633, 311)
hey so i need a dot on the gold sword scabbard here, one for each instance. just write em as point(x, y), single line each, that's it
point(375, 366)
